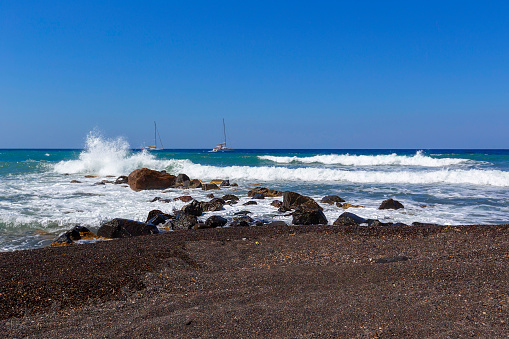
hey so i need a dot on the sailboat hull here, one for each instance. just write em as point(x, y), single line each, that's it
point(221, 150)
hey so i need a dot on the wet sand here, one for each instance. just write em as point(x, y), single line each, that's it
point(286, 281)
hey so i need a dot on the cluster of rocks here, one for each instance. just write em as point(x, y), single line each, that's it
point(74, 234)
point(145, 179)
point(304, 210)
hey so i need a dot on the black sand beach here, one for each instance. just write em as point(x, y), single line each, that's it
point(285, 281)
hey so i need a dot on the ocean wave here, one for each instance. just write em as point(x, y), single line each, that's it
point(418, 159)
point(446, 176)
point(114, 157)
point(110, 157)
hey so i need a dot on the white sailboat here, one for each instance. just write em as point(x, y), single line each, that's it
point(222, 147)
point(154, 147)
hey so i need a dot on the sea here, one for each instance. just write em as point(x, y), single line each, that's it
point(44, 192)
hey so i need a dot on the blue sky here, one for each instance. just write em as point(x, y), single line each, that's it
point(283, 74)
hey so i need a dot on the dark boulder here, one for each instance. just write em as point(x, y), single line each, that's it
point(154, 213)
point(84, 232)
point(375, 223)
point(242, 221)
point(250, 203)
point(225, 183)
point(258, 196)
point(195, 183)
point(124, 228)
point(145, 179)
point(260, 222)
point(215, 221)
point(308, 216)
point(183, 221)
point(76, 233)
point(267, 192)
point(64, 239)
point(194, 208)
point(349, 219)
point(216, 204)
point(158, 219)
point(121, 180)
point(231, 199)
point(390, 204)
point(332, 199)
point(207, 187)
point(277, 203)
point(181, 178)
point(184, 198)
point(292, 200)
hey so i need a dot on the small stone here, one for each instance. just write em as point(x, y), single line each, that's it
point(121, 180)
point(390, 204)
point(211, 186)
point(331, 199)
point(277, 203)
point(215, 221)
point(349, 219)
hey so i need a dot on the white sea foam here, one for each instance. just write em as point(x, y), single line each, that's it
point(310, 174)
point(114, 157)
point(108, 157)
point(48, 201)
point(418, 159)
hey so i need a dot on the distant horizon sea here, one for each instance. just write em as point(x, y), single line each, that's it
point(44, 192)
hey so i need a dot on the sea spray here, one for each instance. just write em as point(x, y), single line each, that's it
point(107, 157)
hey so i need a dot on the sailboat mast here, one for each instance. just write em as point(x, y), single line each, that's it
point(224, 132)
point(155, 135)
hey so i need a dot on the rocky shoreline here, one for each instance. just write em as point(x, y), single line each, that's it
point(304, 210)
point(354, 278)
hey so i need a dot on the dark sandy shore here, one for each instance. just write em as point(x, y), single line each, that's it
point(296, 281)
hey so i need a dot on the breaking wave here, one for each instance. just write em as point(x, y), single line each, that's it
point(114, 157)
point(418, 159)
point(457, 176)
point(109, 157)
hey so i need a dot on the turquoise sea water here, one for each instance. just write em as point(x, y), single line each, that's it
point(38, 201)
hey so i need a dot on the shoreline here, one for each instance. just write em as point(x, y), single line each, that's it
point(265, 281)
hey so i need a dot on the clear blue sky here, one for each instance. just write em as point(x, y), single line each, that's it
point(283, 74)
